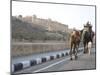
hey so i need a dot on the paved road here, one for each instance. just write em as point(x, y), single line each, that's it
point(84, 61)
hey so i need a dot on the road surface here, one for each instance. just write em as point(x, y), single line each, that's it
point(84, 62)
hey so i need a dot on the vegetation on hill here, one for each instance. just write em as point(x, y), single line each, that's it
point(24, 30)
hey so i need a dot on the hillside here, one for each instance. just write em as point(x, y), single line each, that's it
point(24, 30)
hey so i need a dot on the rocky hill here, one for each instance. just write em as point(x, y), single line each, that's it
point(24, 30)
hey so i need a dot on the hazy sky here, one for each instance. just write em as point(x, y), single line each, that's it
point(71, 15)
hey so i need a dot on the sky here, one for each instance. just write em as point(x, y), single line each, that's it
point(71, 15)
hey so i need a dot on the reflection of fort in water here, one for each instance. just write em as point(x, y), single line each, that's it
point(47, 24)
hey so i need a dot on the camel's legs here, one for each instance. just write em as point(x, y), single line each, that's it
point(76, 50)
point(71, 51)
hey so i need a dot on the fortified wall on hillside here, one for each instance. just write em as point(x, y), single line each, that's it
point(48, 24)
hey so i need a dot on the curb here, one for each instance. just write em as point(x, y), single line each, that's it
point(25, 64)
